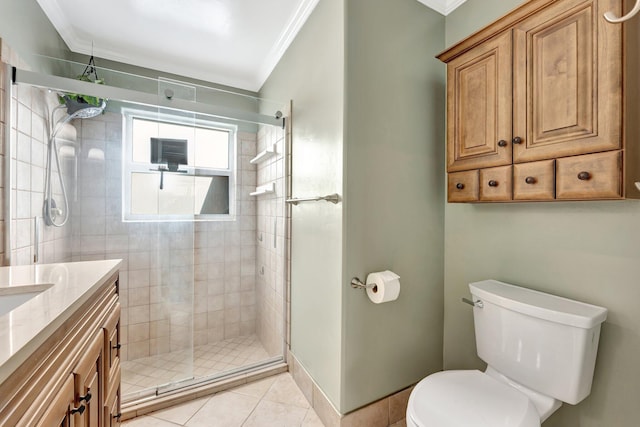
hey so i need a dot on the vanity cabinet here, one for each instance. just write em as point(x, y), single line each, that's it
point(535, 106)
point(59, 412)
point(74, 375)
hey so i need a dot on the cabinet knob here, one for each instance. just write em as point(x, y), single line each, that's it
point(517, 140)
point(117, 346)
point(460, 186)
point(79, 410)
point(530, 180)
point(584, 176)
point(502, 143)
point(86, 397)
point(493, 183)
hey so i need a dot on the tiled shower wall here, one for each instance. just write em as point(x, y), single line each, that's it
point(29, 121)
point(182, 283)
point(271, 276)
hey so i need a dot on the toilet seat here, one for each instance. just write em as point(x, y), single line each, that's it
point(468, 399)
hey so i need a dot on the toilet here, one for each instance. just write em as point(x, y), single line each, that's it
point(540, 351)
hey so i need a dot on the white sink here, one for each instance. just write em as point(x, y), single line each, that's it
point(15, 299)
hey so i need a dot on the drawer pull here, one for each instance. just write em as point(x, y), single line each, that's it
point(530, 180)
point(460, 186)
point(493, 183)
point(79, 410)
point(117, 416)
point(502, 143)
point(517, 140)
point(584, 176)
point(86, 397)
point(117, 346)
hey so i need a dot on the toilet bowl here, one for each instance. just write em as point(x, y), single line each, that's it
point(540, 351)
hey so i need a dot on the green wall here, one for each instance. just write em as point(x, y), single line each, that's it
point(394, 211)
point(311, 73)
point(387, 98)
point(28, 31)
point(583, 250)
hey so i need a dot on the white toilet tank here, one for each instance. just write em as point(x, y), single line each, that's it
point(544, 342)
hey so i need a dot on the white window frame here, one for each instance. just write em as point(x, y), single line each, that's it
point(129, 166)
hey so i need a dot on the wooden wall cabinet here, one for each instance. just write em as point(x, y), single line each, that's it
point(532, 97)
point(73, 378)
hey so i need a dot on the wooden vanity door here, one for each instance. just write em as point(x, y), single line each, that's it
point(479, 106)
point(567, 93)
point(58, 413)
point(88, 384)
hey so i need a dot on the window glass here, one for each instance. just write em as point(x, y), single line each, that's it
point(201, 188)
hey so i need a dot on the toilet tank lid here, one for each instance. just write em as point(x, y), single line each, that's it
point(539, 304)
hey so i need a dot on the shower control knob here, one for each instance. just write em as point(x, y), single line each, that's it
point(460, 186)
point(493, 183)
point(502, 143)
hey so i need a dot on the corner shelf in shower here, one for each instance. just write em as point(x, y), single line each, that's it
point(264, 189)
point(264, 155)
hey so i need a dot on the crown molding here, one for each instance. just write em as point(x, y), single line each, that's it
point(286, 37)
point(443, 7)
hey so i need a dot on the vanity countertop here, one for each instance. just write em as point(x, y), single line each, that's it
point(63, 288)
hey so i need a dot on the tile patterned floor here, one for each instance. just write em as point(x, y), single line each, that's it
point(275, 401)
point(210, 359)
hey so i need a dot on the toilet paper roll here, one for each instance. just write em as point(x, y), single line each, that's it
point(386, 286)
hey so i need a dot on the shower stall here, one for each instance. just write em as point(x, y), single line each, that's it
point(186, 184)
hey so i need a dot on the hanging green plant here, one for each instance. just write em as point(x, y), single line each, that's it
point(90, 75)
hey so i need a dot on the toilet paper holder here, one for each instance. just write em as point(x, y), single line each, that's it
point(356, 283)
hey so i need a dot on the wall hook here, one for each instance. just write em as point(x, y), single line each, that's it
point(609, 16)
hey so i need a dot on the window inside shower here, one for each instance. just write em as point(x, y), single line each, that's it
point(202, 288)
point(201, 188)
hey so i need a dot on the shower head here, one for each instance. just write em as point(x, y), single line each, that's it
point(79, 110)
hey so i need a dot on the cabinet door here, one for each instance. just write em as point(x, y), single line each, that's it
point(112, 414)
point(479, 106)
point(112, 342)
point(88, 383)
point(59, 411)
point(567, 82)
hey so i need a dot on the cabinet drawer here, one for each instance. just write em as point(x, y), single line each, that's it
point(495, 183)
point(463, 186)
point(534, 181)
point(592, 176)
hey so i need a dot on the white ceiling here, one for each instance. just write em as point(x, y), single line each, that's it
point(230, 42)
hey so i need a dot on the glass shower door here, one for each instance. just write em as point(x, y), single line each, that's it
point(171, 303)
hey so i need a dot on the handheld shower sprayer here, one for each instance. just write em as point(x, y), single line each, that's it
point(75, 110)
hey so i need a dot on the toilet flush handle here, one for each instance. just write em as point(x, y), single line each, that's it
point(478, 303)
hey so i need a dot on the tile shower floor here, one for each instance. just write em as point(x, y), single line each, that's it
point(210, 359)
point(275, 401)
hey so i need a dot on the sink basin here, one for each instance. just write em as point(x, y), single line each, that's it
point(15, 299)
